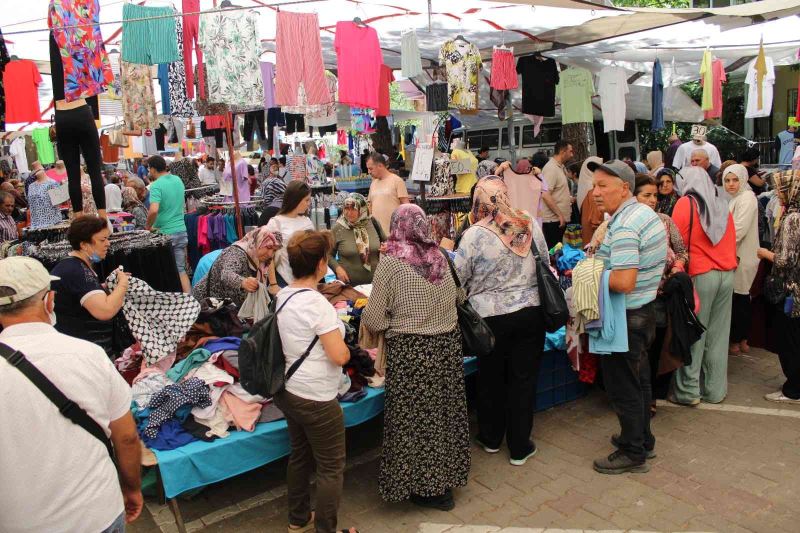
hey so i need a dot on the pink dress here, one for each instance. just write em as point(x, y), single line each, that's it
point(359, 60)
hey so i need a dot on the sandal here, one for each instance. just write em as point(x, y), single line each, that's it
point(309, 526)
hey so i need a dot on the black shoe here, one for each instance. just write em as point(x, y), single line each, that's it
point(519, 462)
point(443, 502)
point(651, 454)
point(619, 463)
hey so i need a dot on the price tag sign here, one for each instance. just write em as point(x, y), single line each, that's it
point(460, 166)
point(423, 161)
point(698, 129)
point(59, 195)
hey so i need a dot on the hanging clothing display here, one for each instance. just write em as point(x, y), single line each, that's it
point(86, 68)
point(21, 80)
point(110, 102)
point(138, 101)
point(707, 80)
point(410, 60)
point(362, 120)
point(299, 58)
point(242, 182)
point(657, 98)
point(462, 61)
point(387, 77)
point(575, 89)
point(4, 59)
point(191, 41)
point(465, 181)
point(760, 79)
point(152, 41)
point(174, 74)
point(324, 114)
point(359, 59)
point(436, 96)
point(45, 153)
point(268, 80)
point(612, 86)
point(540, 77)
point(232, 67)
point(718, 78)
point(504, 74)
point(17, 151)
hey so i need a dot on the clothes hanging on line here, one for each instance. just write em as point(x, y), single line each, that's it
point(409, 55)
point(575, 89)
point(612, 87)
point(268, 80)
point(149, 42)
point(299, 58)
point(172, 78)
point(712, 72)
point(4, 59)
point(504, 73)
point(359, 59)
point(540, 77)
point(191, 41)
point(138, 100)
point(462, 61)
point(657, 98)
point(21, 81)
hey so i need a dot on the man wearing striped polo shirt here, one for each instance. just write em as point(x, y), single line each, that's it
point(635, 250)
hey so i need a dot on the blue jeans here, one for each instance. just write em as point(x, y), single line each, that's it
point(180, 241)
point(117, 526)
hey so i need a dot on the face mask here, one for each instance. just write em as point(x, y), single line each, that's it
point(94, 258)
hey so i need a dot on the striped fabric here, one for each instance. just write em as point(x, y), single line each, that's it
point(636, 239)
point(586, 288)
point(299, 59)
point(149, 42)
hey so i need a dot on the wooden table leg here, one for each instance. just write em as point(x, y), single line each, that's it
point(176, 512)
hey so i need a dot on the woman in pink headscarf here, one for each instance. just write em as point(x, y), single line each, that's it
point(426, 431)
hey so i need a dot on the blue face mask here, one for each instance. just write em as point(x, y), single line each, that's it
point(94, 258)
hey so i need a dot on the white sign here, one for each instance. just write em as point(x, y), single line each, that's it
point(423, 161)
point(460, 166)
point(698, 129)
point(59, 195)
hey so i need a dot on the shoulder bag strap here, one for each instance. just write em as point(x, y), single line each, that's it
point(452, 268)
point(66, 407)
point(296, 364)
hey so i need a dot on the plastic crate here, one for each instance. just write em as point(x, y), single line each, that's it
point(557, 382)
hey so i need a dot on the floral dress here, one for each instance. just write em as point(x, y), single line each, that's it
point(463, 63)
point(138, 100)
point(43, 213)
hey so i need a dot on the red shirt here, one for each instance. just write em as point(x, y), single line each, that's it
point(21, 79)
point(704, 256)
point(387, 77)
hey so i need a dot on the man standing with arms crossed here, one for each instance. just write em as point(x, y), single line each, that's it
point(635, 250)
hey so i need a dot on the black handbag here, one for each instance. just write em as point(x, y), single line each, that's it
point(477, 338)
point(551, 295)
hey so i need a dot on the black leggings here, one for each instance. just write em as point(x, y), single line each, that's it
point(76, 133)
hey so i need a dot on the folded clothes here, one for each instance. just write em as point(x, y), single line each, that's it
point(222, 344)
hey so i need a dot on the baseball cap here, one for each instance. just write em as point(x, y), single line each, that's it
point(617, 168)
point(21, 278)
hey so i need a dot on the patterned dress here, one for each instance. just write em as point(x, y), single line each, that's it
point(138, 100)
point(43, 213)
point(463, 63)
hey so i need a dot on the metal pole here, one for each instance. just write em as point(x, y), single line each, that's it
point(512, 144)
point(231, 154)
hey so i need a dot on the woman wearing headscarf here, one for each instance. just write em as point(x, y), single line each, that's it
point(357, 239)
point(133, 205)
point(785, 257)
point(655, 162)
point(240, 268)
point(591, 216)
point(426, 430)
point(707, 228)
point(667, 195)
point(744, 208)
point(498, 271)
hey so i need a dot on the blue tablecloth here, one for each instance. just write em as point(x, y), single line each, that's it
point(201, 463)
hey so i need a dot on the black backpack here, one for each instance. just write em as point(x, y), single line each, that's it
point(262, 365)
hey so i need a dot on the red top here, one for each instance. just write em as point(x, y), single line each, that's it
point(704, 256)
point(358, 59)
point(387, 77)
point(21, 79)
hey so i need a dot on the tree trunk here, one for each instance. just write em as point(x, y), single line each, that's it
point(578, 135)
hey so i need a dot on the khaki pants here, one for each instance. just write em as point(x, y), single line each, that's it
point(316, 431)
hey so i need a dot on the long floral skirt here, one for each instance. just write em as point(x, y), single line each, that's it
point(426, 446)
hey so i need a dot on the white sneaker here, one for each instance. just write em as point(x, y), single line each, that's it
point(520, 462)
point(778, 397)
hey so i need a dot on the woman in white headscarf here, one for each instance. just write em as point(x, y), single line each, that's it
point(744, 208)
point(591, 216)
point(707, 229)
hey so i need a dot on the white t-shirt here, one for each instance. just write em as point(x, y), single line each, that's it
point(306, 315)
point(612, 86)
point(207, 177)
point(149, 146)
point(54, 475)
point(17, 151)
point(287, 227)
point(753, 110)
point(683, 155)
point(113, 197)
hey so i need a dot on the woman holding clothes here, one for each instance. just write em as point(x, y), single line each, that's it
point(357, 241)
point(744, 208)
point(426, 429)
point(707, 228)
point(496, 266)
point(307, 322)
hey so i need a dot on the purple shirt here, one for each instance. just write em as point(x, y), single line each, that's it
point(242, 181)
point(268, 77)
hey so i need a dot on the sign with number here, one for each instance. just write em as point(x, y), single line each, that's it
point(460, 166)
point(423, 161)
point(698, 129)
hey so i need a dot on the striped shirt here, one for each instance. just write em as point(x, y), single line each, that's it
point(8, 228)
point(272, 189)
point(636, 239)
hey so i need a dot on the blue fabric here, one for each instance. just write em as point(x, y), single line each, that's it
point(569, 258)
point(204, 265)
point(657, 98)
point(556, 340)
point(193, 360)
point(613, 337)
point(163, 81)
point(222, 344)
point(230, 229)
point(171, 435)
point(192, 250)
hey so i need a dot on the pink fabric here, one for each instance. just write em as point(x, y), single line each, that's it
point(202, 235)
point(242, 414)
point(299, 58)
point(718, 70)
point(537, 123)
point(55, 176)
point(191, 39)
point(387, 77)
point(410, 241)
point(359, 59)
point(524, 191)
point(214, 122)
point(504, 72)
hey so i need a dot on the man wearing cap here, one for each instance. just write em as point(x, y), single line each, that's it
point(683, 156)
point(54, 474)
point(634, 250)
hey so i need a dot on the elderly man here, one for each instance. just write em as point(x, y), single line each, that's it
point(634, 251)
point(683, 155)
point(19, 201)
point(58, 475)
point(8, 227)
point(700, 159)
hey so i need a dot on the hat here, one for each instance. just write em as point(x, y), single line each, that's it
point(617, 168)
point(21, 278)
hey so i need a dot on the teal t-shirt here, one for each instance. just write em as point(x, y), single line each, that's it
point(168, 192)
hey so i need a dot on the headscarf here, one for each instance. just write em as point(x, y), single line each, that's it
point(410, 241)
point(713, 210)
point(486, 168)
point(256, 240)
point(129, 198)
point(640, 167)
point(787, 253)
point(741, 173)
point(359, 227)
point(586, 178)
point(655, 160)
point(492, 210)
point(523, 166)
